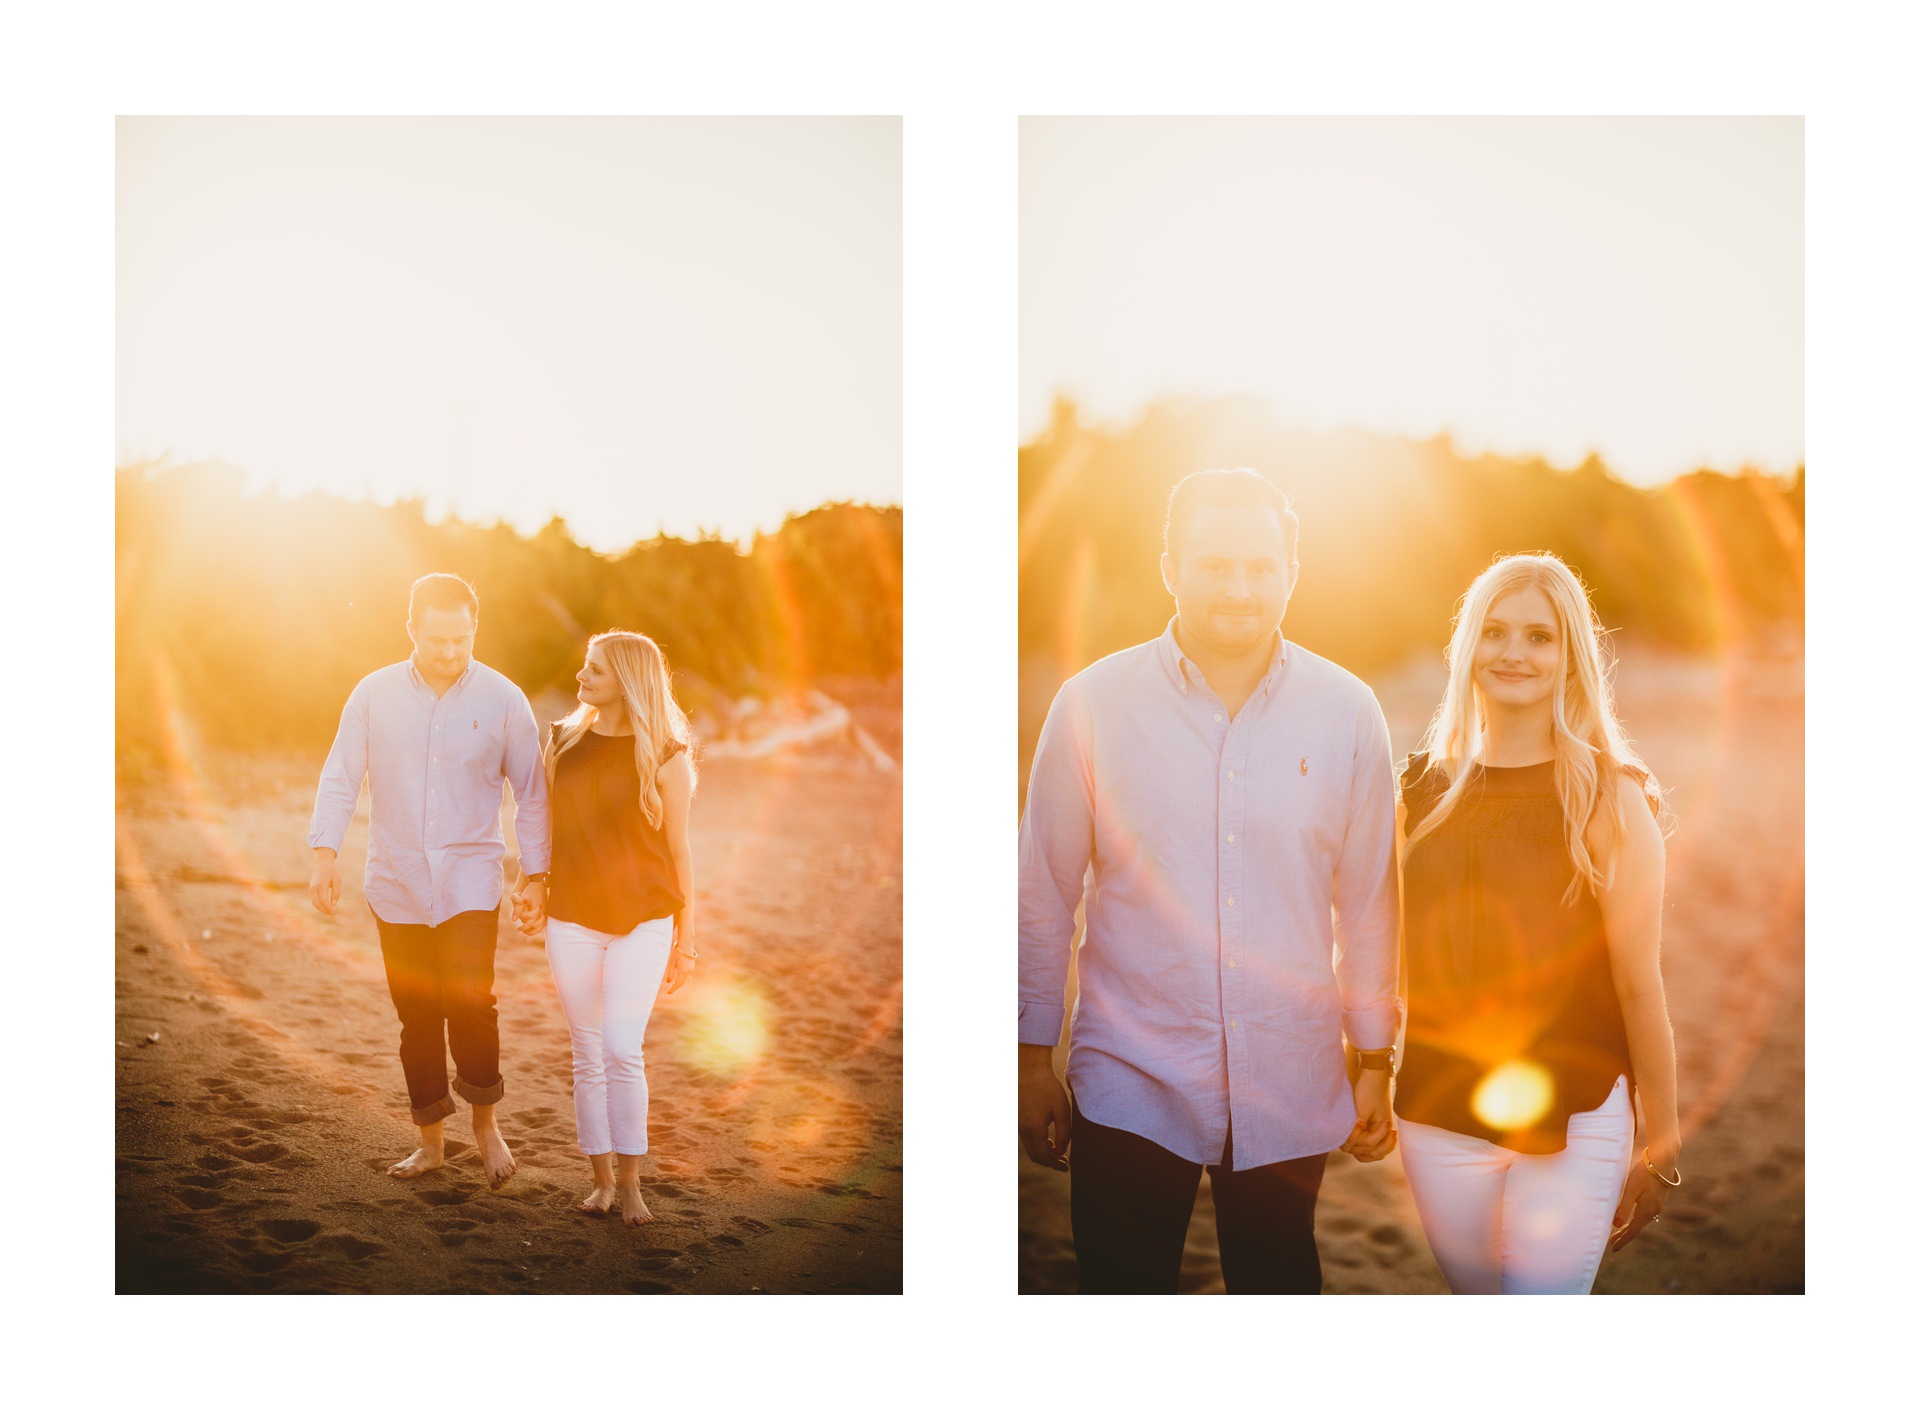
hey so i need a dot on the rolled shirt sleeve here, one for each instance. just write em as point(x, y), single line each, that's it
point(1366, 894)
point(1056, 844)
point(341, 776)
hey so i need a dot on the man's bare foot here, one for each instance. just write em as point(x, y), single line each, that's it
point(494, 1155)
point(419, 1163)
point(633, 1209)
point(598, 1202)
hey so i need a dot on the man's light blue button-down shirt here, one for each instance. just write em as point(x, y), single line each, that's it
point(1242, 907)
point(435, 764)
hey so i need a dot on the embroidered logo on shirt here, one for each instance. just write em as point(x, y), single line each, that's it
point(1303, 766)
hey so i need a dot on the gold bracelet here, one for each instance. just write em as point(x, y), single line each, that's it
point(1646, 1155)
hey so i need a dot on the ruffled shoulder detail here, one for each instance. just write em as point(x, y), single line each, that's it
point(1648, 789)
point(1420, 787)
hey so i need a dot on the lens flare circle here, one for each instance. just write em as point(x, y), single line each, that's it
point(727, 1028)
point(1513, 1095)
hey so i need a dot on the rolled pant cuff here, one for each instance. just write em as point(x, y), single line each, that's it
point(437, 1111)
point(481, 1096)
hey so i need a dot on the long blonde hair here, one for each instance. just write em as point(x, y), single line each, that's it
point(1589, 749)
point(640, 667)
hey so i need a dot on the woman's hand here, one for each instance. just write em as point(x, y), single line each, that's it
point(530, 911)
point(680, 963)
point(1641, 1201)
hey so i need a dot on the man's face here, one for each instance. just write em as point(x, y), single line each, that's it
point(442, 642)
point(1232, 579)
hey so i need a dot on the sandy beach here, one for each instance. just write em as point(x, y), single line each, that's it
point(260, 1098)
point(1728, 746)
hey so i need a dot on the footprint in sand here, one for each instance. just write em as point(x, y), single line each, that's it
point(441, 1197)
point(288, 1231)
point(258, 1154)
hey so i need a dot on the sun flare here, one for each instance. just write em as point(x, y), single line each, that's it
point(1513, 1095)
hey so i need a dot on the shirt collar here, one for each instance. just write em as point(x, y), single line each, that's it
point(1185, 675)
point(413, 673)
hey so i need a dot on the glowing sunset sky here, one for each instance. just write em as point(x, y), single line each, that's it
point(1535, 285)
point(636, 323)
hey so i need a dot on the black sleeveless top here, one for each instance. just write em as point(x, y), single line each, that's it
point(611, 868)
point(1499, 970)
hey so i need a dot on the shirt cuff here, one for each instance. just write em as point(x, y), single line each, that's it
point(1041, 1023)
point(318, 838)
point(1373, 1026)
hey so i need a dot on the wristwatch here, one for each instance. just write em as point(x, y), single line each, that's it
point(1375, 1059)
point(539, 876)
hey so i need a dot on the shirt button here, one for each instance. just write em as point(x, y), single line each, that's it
point(1229, 900)
point(1229, 775)
point(1216, 717)
point(1234, 1024)
point(1229, 837)
point(1229, 964)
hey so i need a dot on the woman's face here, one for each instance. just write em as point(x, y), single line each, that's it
point(1520, 655)
point(598, 685)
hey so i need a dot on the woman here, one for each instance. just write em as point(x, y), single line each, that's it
point(619, 904)
point(1534, 870)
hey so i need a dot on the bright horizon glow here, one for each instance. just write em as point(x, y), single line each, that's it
point(639, 324)
point(1534, 286)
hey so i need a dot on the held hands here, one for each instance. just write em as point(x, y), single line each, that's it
point(530, 911)
point(323, 887)
point(1373, 1137)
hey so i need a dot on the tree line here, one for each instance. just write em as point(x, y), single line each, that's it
point(1393, 530)
point(252, 616)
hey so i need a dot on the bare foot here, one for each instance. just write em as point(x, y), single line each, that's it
point(599, 1202)
point(419, 1163)
point(494, 1155)
point(633, 1209)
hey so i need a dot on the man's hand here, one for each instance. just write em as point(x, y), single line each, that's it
point(323, 887)
point(530, 910)
point(1043, 1107)
point(1373, 1134)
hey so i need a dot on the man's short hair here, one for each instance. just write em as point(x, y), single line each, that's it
point(1229, 489)
point(443, 591)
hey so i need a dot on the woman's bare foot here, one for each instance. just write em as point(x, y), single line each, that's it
point(428, 1157)
point(598, 1202)
point(633, 1209)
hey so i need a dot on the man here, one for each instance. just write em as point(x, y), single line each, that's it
point(436, 735)
point(1234, 797)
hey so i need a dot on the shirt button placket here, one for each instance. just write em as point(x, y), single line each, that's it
point(1231, 878)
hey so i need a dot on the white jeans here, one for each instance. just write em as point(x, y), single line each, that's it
point(607, 986)
point(1499, 1222)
